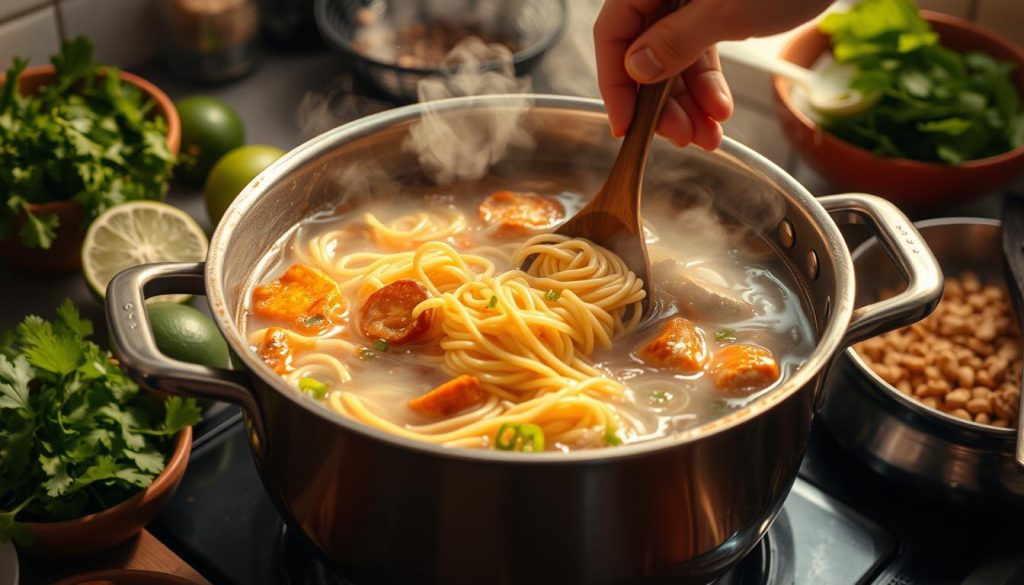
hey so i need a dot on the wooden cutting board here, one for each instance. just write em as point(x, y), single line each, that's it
point(142, 552)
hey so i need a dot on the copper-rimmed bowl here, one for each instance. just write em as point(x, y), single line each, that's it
point(907, 182)
point(80, 537)
point(64, 255)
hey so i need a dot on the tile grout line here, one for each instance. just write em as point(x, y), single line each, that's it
point(61, 29)
point(27, 12)
point(973, 10)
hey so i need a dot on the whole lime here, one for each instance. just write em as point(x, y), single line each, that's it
point(209, 129)
point(232, 173)
point(184, 333)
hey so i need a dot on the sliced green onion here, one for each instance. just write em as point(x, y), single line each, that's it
point(380, 345)
point(492, 303)
point(313, 387)
point(505, 440)
point(525, 437)
point(610, 438)
point(725, 335)
point(531, 438)
point(366, 354)
point(552, 295)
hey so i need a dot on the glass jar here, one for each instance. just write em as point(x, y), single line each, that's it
point(210, 40)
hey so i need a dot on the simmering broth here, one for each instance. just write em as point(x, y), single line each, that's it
point(723, 287)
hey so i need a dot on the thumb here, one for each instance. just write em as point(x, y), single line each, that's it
point(672, 44)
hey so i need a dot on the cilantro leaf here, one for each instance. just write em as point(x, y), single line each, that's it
point(16, 375)
point(179, 414)
point(76, 435)
point(59, 352)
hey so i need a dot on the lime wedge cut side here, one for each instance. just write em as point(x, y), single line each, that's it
point(139, 232)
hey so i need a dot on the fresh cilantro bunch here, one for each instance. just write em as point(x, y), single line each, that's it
point(85, 137)
point(937, 104)
point(76, 436)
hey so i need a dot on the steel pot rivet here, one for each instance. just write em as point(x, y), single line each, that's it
point(812, 264)
point(787, 237)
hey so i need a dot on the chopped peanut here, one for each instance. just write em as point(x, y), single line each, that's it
point(964, 359)
point(302, 297)
point(738, 370)
point(680, 345)
point(449, 398)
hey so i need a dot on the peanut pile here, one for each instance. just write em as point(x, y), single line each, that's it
point(964, 359)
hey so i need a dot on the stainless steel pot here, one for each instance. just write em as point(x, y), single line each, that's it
point(388, 509)
point(902, 438)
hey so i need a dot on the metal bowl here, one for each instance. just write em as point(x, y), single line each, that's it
point(535, 26)
point(900, 437)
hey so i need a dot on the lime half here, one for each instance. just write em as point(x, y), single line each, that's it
point(140, 232)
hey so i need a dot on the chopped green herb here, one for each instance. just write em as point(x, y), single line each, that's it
point(552, 295)
point(525, 437)
point(660, 397)
point(82, 137)
point(610, 438)
point(725, 335)
point(366, 354)
point(313, 387)
point(380, 345)
point(492, 303)
point(312, 321)
point(76, 435)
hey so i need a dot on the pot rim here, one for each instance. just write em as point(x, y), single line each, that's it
point(919, 408)
point(782, 88)
point(829, 340)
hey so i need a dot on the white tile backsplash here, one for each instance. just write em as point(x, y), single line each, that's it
point(32, 36)
point(124, 32)
point(9, 8)
point(1005, 16)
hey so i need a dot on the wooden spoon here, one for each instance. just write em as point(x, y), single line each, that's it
point(612, 218)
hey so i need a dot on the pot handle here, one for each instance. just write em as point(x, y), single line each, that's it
point(134, 345)
point(906, 248)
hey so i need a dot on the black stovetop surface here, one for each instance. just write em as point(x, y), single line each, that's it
point(842, 524)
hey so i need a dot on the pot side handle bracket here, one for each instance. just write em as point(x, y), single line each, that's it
point(134, 345)
point(909, 253)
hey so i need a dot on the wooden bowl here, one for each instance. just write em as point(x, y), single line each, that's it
point(108, 528)
point(125, 577)
point(914, 184)
point(65, 253)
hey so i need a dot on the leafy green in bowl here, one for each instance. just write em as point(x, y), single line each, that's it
point(938, 105)
point(85, 135)
point(76, 434)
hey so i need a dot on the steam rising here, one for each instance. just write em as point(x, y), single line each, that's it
point(460, 146)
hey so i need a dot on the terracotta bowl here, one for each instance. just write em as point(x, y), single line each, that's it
point(911, 183)
point(108, 528)
point(64, 255)
point(125, 577)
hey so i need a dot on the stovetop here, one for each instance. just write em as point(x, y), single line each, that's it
point(841, 525)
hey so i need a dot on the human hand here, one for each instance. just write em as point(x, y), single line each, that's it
point(681, 46)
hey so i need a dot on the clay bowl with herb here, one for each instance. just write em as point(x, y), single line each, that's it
point(112, 139)
point(934, 137)
point(89, 458)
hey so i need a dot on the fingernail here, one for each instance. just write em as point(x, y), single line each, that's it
point(643, 65)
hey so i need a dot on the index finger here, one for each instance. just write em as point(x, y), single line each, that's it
point(617, 26)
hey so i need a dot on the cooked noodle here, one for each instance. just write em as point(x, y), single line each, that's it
point(525, 335)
